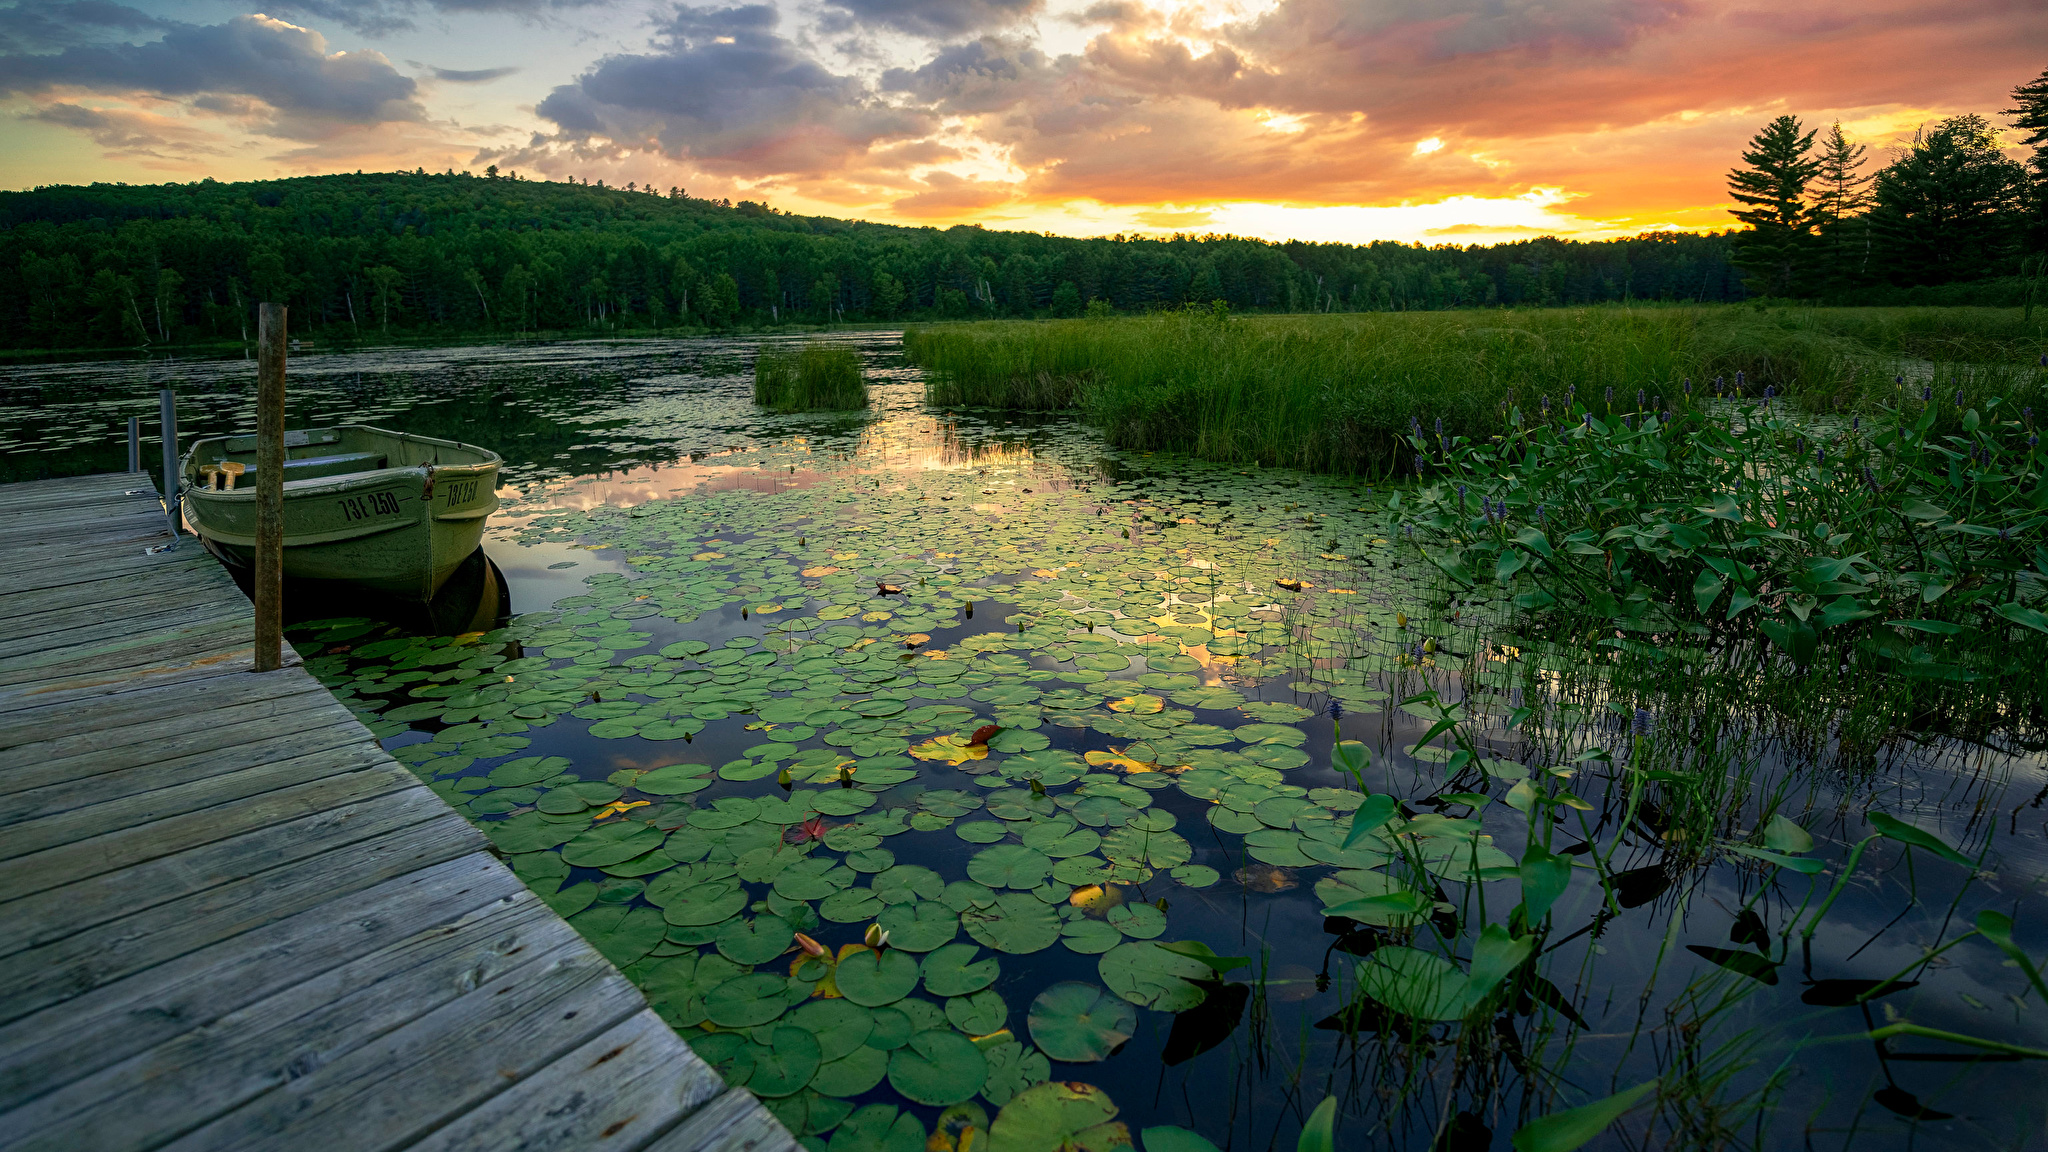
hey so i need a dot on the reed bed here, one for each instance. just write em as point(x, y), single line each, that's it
point(1336, 393)
point(815, 377)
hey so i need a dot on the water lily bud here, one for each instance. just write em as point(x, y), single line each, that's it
point(876, 938)
point(1400, 619)
point(785, 778)
point(1037, 789)
point(811, 947)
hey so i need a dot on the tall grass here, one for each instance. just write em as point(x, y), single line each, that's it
point(1335, 393)
point(814, 377)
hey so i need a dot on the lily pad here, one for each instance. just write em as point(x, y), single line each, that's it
point(1012, 1067)
point(786, 1064)
point(1090, 937)
point(840, 1025)
point(1146, 974)
point(878, 1128)
point(1080, 1023)
point(938, 1068)
point(1016, 922)
point(747, 1001)
point(978, 1014)
point(755, 941)
point(1063, 1115)
point(1009, 866)
point(710, 902)
point(954, 971)
point(1138, 921)
point(622, 934)
point(612, 843)
point(980, 831)
point(919, 926)
point(873, 979)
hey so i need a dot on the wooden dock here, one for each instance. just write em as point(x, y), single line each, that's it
point(228, 920)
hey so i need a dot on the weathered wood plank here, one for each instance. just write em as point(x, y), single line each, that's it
point(215, 797)
point(261, 1057)
point(435, 1067)
point(100, 618)
point(734, 1122)
point(38, 727)
point(69, 1041)
point(107, 876)
point(619, 1090)
point(72, 964)
point(215, 635)
point(114, 730)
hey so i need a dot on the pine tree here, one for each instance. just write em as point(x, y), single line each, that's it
point(2031, 117)
point(1950, 208)
point(1841, 197)
point(1776, 251)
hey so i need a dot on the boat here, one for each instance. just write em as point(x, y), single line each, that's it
point(390, 511)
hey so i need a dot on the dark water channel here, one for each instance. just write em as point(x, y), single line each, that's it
point(697, 596)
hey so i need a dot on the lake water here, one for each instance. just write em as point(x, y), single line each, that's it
point(706, 601)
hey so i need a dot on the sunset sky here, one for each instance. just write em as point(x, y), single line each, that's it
point(1442, 121)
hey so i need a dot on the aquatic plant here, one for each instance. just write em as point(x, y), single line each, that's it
point(813, 377)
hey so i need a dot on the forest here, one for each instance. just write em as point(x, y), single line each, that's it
point(379, 256)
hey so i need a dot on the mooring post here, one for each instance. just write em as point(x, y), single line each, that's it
point(167, 412)
point(270, 337)
point(135, 443)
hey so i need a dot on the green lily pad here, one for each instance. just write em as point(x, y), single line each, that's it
point(1009, 866)
point(755, 941)
point(878, 1128)
point(853, 1074)
point(1195, 875)
point(1358, 895)
point(528, 770)
point(612, 843)
point(813, 879)
point(621, 933)
point(1172, 1138)
point(674, 780)
point(786, 1064)
point(871, 860)
point(1089, 937)
point(908, 882)
point(747, 1001)
point(919, 926)
point(567, 902)
point(710, 902)
point(1080, 1023)
point(980, 831)
point(840, 1026)
point(1061, 840)
point(954, 971)
point(979, 1013)
point(851, 906)
point(1138, 921)
point(938, 1068)
point(1063, 1115)
point(873, 979)
point(1016, 922)
point(808, 1112)
point(1012, 1067)
point(892, 1028)
point(1146, 974)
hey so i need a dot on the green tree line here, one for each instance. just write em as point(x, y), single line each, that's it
point(1950, 208)
point(447, 254)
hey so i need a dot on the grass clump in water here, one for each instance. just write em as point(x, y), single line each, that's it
point(809, 379)
point(1336, 393)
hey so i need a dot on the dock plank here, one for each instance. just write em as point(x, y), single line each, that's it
point(236, 922)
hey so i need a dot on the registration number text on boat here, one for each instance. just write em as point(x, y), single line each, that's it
point(368, 505)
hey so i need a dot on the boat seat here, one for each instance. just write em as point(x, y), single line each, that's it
point(314, 467)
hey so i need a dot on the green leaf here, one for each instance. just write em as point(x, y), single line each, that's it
point(1572, 1128)
point(1196, 950)
point(2038, 621)
point(1058, 1115)
point(1803, 864)
point(1009, 866)
point(1318, 1132)
point(1080, 1023)
point(1707, 589)
point(1172, 1138)
point(747, 1001)
point(954, 970)
point(612, 842)
point(755, 941)
point(786, 1064)
point(840, 1025)
point(1997, 928)
point(1545, 876)
point(1937, 627)
point(873, 979)
point(1148, 974)
point(1371, 816)
point(1782, 835)
point(1921, 510)
point(938, 1068)
point(879, 1128)
point(1897, 829)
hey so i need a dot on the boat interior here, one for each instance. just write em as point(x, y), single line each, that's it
point(315, 453)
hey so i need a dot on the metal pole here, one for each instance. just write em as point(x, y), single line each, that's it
point(167, 409)
point(270, 337)
point(135, 443)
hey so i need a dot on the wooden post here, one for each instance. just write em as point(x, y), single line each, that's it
point(167, 412)
point(270, 335)
point(135, 443)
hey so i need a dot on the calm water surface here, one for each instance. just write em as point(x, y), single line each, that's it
point(703, 595)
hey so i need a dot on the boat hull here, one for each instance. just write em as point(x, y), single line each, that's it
point(399, 531)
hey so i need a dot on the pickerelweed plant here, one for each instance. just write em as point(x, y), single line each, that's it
point(1741, 536)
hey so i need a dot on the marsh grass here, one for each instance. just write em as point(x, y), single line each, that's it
point(1334, 393)
point(815, 377)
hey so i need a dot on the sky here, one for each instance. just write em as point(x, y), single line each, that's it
point(1431, 121)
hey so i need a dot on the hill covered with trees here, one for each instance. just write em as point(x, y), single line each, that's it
point(443, 254)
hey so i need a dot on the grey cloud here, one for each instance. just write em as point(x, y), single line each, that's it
point(47, 25)
point(383, 17)
point(937, 18)
point(727, 91)
point(978, 76)
point(287, 68)
point(471, 76)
